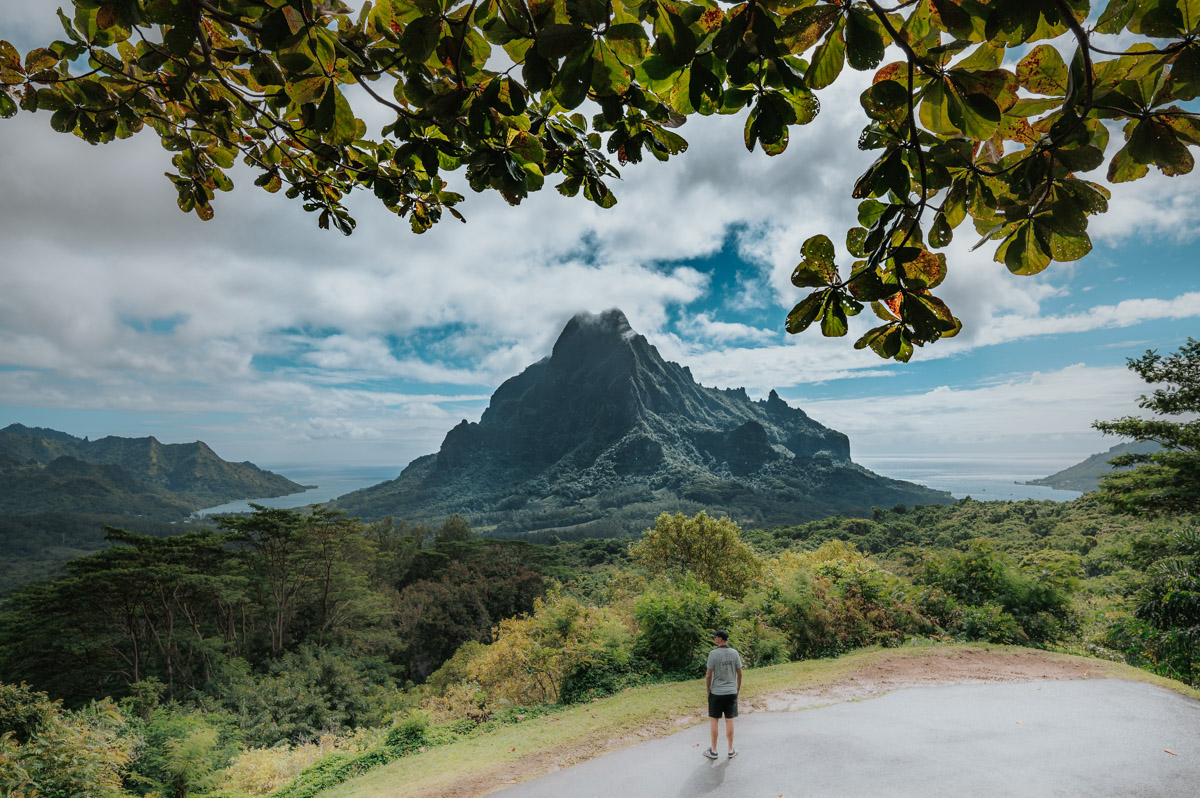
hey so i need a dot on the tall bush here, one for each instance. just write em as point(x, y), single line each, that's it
point(1165, 630)
point(1006, 603)
point(836, 599)
point(710, 549)
point(48, 752)
point(675, 622)
point(532, 655)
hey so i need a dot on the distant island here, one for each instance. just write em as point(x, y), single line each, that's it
point(604, 434)
point(1085, 476)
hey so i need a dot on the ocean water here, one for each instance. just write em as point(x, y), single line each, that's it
point(330, 483)
point(985, 478)
point(992, 478)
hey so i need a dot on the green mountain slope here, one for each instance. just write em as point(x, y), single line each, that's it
point(67, 483)
point(604, 434)
point(1085, 476)
point(177, 478)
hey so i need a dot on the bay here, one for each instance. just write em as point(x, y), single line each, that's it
point(330, 483)
point(990, 478)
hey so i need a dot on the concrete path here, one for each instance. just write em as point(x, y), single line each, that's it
point(1103, 737)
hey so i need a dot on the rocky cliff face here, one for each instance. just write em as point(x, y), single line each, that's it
point(605, 433)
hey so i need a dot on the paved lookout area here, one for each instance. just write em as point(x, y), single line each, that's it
point(1102, 737)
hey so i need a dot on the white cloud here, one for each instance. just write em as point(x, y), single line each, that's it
point(1019, 414)
point(93, 240)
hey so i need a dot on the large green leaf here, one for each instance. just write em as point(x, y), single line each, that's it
point(864, 41)
point(806, 311)
point(1043, 71)
point(804, 27)
point(609, 75)
point(828, 60)
point(886, 101)
point(976, 115)
point(629, 41)
point(833, 317)
point(935, 108)
point(675, 40)
point(923, 270)
point(345, 126)
point(556, 41)
point(1116, 16)
point(1022, 252)
point(818, 267)
point(574, 78)
point(420, 38)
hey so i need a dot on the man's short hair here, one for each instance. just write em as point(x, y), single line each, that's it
point(721, 633)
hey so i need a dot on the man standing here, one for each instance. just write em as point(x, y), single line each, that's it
point(723, 682)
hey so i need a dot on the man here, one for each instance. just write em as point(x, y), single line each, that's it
point(723, 682)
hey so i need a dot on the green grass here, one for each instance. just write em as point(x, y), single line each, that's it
point(530, 748)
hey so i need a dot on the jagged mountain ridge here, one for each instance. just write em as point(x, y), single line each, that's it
point(47, 470)
point(606, 428)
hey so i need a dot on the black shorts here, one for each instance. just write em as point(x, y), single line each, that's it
point(719, 705)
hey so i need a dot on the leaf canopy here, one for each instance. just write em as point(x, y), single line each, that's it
point(497, 89)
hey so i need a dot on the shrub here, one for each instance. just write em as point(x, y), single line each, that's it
point(597, 677)
point(1165, 631)
point(303, 695)
point(456, 669)
point(51, 753)
point(181, 753)
point(1036, 596)
point(675, 622)
point(532, 655)
point(758, 642)
point(710, 549)
point(836, 599)
point(409, 733)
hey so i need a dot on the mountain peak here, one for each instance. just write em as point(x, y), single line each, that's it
point(589, 334)
point(612, 320)
point(605, 433)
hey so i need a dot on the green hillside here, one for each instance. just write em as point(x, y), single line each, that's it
point(191, 472)
point(292, 652)
point(1085, 476)
point(57, 493)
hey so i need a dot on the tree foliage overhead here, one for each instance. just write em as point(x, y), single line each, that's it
point(495, 87)
point(1167, 481)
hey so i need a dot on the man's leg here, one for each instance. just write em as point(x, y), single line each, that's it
point(728, 734)
point(712, 727)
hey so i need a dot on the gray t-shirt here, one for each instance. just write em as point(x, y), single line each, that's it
point(724, 663)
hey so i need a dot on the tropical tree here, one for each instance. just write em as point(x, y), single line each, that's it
point(711, 549)
point(1167, 481)
point(960, 132)
point(1169, 604)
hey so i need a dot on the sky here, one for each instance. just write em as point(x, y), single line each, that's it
point(280, 343)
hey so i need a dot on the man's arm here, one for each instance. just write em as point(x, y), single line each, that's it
point(708, 680)
point(739, 685)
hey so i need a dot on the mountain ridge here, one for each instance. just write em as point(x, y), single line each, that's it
point(605, 431)
point(48, 470)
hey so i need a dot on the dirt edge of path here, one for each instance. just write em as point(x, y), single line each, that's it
point(950, 666)
point(954, 666)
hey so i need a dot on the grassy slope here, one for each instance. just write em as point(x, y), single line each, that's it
point(528, 750)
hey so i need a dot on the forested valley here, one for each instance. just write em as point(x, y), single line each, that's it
point(283, 652)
